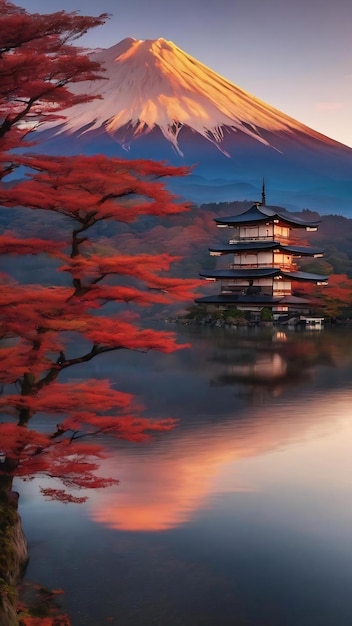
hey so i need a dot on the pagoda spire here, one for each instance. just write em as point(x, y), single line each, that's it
point(263, 193)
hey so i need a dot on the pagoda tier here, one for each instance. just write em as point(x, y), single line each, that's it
point(256, 246)
point(259, 214)
point(264, 261)
point(254, 273)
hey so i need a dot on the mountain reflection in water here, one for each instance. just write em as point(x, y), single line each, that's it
point(164, 484)
point(244, 508)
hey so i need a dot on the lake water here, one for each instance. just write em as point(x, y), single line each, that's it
point(240, 516)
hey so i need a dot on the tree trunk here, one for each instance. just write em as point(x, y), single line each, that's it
point(13, 551)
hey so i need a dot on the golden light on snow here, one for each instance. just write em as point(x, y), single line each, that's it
point(153, 83)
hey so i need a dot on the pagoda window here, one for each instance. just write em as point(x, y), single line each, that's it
point(265, 259)
point(281, 287)
point(249, 232)
point(281, 232)
point(283, 260)
point(266, 231)
point(251, 259)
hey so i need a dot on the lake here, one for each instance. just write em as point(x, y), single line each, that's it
point(240, 516)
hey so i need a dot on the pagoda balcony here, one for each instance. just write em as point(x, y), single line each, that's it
point(282, 292)
point(259, 238)
point(258, 292)
point(289, 267)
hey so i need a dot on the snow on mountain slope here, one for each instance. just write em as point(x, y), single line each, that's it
point(153, 83)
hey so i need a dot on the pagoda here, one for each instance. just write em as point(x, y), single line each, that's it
point(263, 262)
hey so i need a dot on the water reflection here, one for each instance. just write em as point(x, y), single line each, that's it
point(252, 410)
point(242, 515)
point(273, 363)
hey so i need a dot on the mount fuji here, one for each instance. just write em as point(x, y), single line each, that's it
point(158, 102)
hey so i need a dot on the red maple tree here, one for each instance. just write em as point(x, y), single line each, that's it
point(50, 326)
point(336, 297)
point(53, 318)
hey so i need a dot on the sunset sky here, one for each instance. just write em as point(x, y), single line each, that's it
point(296, 56)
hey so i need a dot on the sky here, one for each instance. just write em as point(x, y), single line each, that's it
point(296, 55)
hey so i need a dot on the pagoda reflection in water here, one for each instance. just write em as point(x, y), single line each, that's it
point(270, 364)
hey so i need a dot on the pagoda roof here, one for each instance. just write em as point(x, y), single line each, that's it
point(249, 273)
point(305, 276)
point(222, 298)
point(292, 300)
point(258, 213)
point(265, 245)
point(258, 300)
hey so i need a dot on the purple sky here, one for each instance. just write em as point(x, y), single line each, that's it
point(294, 54)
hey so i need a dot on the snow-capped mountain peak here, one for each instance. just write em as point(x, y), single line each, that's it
point(154, 84)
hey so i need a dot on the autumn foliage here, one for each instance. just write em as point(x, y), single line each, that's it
point(50, 325)
point(335, 298)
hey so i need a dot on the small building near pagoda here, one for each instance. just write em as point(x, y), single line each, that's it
point(262, 262)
